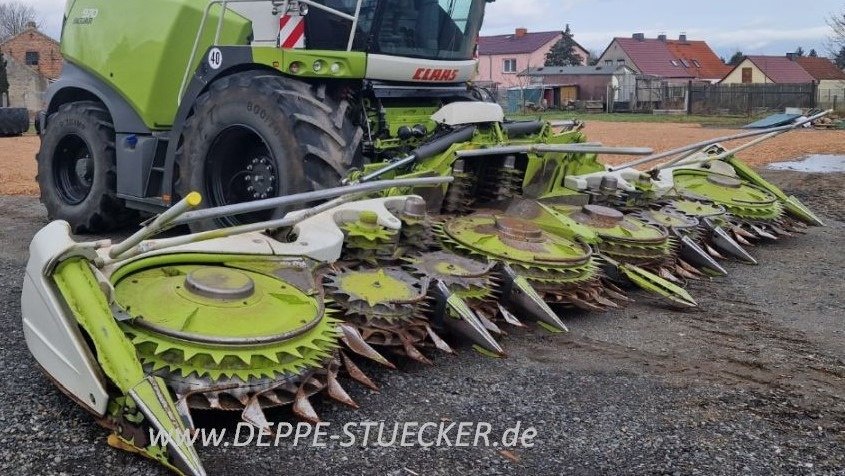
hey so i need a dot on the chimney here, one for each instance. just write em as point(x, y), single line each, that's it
point(521, 32)
point(639, 36)
point(662, 37)
point(682, 37)
point(792, 56)
point(31, 25)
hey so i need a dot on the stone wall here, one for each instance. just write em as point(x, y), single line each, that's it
point(26, 86)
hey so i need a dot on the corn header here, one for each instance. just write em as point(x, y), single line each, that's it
point(350, 195)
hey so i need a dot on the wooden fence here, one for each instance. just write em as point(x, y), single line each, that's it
point(749, 99)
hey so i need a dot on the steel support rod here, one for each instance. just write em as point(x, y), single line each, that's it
point(545, 149)
point(703, 144)
point(159, 224)
point(389, 168)
point(354, 25)
point(318, 195)
point(155, 245)
point(721, 156)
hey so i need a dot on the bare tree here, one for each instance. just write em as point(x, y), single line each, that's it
point(836, 22)
point(15, 18)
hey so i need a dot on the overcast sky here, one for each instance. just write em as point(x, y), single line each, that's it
point(753, 26)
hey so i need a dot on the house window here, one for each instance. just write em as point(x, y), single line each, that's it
point(675, 63)
point(620, 62)
point(747, 75)
point(32, 58)
point(608, 62)
point(684, 62)
point(510, 65)
point(696, 63)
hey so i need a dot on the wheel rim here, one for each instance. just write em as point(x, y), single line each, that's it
point(240, 168)
point(73, 169)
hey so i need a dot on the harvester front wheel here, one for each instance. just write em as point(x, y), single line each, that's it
point(256, 135)
point(76, 169)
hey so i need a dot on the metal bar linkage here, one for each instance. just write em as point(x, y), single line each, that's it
point(402, 163)
point(159, 224)
point(562, 148)
point(704, 144)
point(299, 198)
point(720, 156)
point(344, 195)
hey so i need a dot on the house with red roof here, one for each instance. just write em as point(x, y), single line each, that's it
point(829, 78)
point(768, 70)
point(502, 57)
point(821, 69)
point(793, 69)
point(675, 61)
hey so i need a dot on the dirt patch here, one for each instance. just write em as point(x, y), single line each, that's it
point(669, 136)
point(18, 167)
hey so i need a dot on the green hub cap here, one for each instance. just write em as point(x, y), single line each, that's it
point(388, 294)
point(376, 286)
point(516, 241)
point(198, 325)
point(741, 199)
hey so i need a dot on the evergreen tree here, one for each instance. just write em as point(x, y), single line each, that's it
point(563, 52)
point(800, 52)
point(839, 59)
point(4, 80)
point(813, 54)
point(736, 58)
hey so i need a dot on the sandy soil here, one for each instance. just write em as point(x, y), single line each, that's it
point(18, 168)
point(668, 136)
point(17, 165)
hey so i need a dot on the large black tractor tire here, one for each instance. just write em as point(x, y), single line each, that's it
point(77, 169)
point(257, 135)
point(14, 121)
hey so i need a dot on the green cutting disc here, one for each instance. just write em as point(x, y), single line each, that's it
point(668, 218)
point(741, 199)
point(514, 240)
point(612, 224)
point(213, 321)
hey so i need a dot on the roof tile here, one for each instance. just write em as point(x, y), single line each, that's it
point(674, 58)
point(511, 45)
point(821, 68)
point(781, 69)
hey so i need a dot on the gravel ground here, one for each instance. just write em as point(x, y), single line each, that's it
point(753, 382)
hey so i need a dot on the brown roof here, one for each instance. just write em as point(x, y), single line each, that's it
point(513, 45)
point(673, 58)
point(781, 69)
point(820, 68)
point(701, 60)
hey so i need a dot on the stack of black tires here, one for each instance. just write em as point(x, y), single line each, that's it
point(14, 121)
